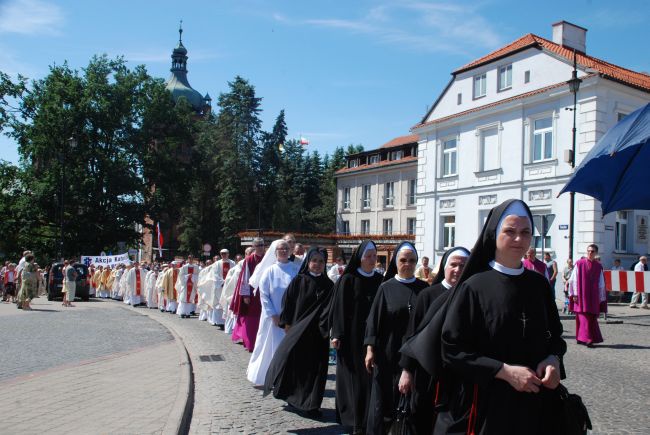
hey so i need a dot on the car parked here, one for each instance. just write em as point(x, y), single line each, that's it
point(55, 282)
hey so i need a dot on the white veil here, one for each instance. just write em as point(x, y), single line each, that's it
point(268, 261)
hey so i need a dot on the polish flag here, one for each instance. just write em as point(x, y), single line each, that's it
point(304, 141)
point(160, 240)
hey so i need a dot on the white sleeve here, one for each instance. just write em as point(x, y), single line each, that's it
point(573, 281)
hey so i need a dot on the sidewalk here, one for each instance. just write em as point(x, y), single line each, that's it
point(141, 390)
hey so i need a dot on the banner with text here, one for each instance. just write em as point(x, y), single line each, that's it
point(105, 260)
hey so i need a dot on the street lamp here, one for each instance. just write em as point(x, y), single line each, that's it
point(574, 86)
point(71, 142)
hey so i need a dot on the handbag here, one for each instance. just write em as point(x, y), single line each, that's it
point(574, 417)
point(402, 423)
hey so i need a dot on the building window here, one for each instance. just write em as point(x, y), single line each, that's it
point(353, 163)
point(365, 196)
point(459, 99)
point(389, 194)
point(412, 190)
point(345, 227)
point(489, 150)
point(365, 226)
point(620, 116)
point(542, 139)
point(346, 198)
point(537, 237)
point(449, 156)
point(410, 226)
point(620, 244)
point(396, 155)
point(480, 83)
point(373, 159)
point(527, 77)
point(448, 231)
point(505, 77)
point(388, 226)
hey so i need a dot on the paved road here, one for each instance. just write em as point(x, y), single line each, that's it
point(614, 378)
point(123, 365)
point(96, 368)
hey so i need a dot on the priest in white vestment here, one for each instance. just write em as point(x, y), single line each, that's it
point(227, 293)
point(135, 282)
point(220, 270)
point(150, 289)
point(123, 290)
point(117, 277)
point(273, 283)
point(160, 289)
point(186, 288)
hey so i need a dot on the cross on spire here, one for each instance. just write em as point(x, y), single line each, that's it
point(180, 32)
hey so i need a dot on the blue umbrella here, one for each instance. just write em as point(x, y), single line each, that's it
point(617, 169)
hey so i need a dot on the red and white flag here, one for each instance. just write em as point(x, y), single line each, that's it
point(160, 240)
point(304, 141)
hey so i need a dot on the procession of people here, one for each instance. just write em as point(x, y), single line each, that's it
point(472, 346)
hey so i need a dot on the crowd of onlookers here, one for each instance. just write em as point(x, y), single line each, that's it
point(22, 282)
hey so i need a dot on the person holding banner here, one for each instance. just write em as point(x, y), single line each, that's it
point(186, 286)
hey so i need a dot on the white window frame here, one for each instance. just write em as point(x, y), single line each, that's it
point(448, 229)
point(621, 238)
point(365, 226)
point(501, 86)
point(345, 227)
point(482, 89)
point(353, 163)
point(387, 226)
point(397, 155)
point(389, 194)
point(366, 199)
point(347, 195)
point(373, 158)
point(536, 242)
point(412, 191)
point(480, 133)
point(542, 132)
point(447, 156)
point(411, 225)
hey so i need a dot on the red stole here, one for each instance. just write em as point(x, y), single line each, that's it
point(225, 267)
point(138, 283)
point(190, 284)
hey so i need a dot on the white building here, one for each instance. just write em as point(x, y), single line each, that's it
point(376, 197)
point(500, 130)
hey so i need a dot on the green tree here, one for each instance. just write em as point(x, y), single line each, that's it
point(108, 110)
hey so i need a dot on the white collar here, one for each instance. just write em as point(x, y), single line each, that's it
point(364, 273)
point(314, 274)
point(445, 284)
point(405, 280)
point(507, 270)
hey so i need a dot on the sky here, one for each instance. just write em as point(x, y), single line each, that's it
point(345, 72)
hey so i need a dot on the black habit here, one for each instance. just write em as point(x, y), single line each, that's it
point(385, 331)
point(298, 371)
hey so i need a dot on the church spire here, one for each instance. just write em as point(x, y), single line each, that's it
point(180, 33)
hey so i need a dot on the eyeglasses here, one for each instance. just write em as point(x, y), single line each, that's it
point(282, 249)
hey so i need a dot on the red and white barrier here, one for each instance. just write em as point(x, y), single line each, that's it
point(627, 281)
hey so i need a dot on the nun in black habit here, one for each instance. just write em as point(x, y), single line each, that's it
point(414, 379)
point(353, 295)
point(385, 331)
point(499, 346)
point(298, 371)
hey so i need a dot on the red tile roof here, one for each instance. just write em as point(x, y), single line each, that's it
point(606, 69)
point(383, 163)
point(401, 140)
point(496, 103)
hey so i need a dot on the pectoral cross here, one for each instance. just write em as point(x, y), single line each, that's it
point(523, 319)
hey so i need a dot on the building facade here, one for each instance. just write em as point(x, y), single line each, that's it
point(501, 129)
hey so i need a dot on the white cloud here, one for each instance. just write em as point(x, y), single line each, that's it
point(31, 17)
point(417, 25)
